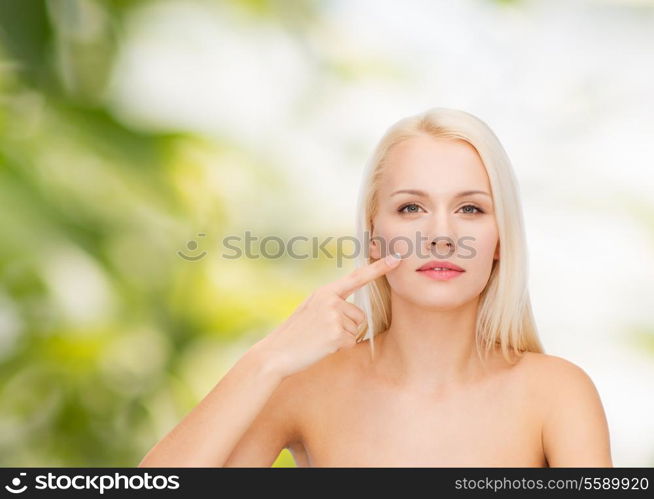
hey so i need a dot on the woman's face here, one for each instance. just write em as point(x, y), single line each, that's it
point(436, 171)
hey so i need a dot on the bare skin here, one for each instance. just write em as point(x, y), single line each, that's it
point(426, 399)
point(258, 397)
point(541, 411)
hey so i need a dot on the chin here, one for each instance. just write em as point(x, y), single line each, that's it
point(441, 300)
point(443, 304)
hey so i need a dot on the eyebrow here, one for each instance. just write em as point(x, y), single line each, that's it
point(424, 194)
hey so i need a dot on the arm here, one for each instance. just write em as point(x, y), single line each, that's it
point(208, 435)
point(575, 431)
point(241, 420)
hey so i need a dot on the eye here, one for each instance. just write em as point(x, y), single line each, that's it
point(401, 209)
point(479, 210)
point(413, 209)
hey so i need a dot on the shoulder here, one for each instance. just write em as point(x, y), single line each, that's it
point(556, 381)
point(330, 372)
point(573, 422)
point(303, 393)
point(550, 369)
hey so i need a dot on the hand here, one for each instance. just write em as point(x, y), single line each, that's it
point(324, 322)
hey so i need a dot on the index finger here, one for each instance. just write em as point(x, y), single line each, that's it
point(348, 284)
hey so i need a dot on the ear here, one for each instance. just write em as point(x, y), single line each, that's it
point(374, 247)
point(497, 252)
point(375, 252)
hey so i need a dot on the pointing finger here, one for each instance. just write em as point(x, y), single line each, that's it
point(346, 285)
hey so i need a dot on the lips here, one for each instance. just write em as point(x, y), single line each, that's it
point(441, 264)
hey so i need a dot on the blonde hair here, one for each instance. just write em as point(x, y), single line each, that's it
point(504, 313)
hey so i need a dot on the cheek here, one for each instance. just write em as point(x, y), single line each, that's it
point(484, 241)
point(394, 237)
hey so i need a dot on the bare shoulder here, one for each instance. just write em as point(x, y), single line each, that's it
point(574, 426)
point(306, 390)
point(554, 380)
point(550, 370)
point(329, 371)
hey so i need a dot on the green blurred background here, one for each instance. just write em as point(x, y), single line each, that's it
point(132, 130)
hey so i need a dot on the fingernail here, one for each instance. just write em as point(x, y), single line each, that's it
point(393, 258)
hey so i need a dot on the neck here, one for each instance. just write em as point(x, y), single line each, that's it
point(428, 349)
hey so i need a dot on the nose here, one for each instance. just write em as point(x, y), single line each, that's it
point(441, 243)
point(441, 247)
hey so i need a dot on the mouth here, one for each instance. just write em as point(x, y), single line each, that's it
point(440, 265)
point(440, 270)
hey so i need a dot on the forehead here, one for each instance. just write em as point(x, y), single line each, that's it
point(434, 165)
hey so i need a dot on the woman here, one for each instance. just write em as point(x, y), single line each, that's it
point(437, 362)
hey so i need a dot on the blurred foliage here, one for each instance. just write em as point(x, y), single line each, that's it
point(107, 337)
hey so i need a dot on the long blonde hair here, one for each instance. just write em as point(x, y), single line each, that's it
point(504, 313)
